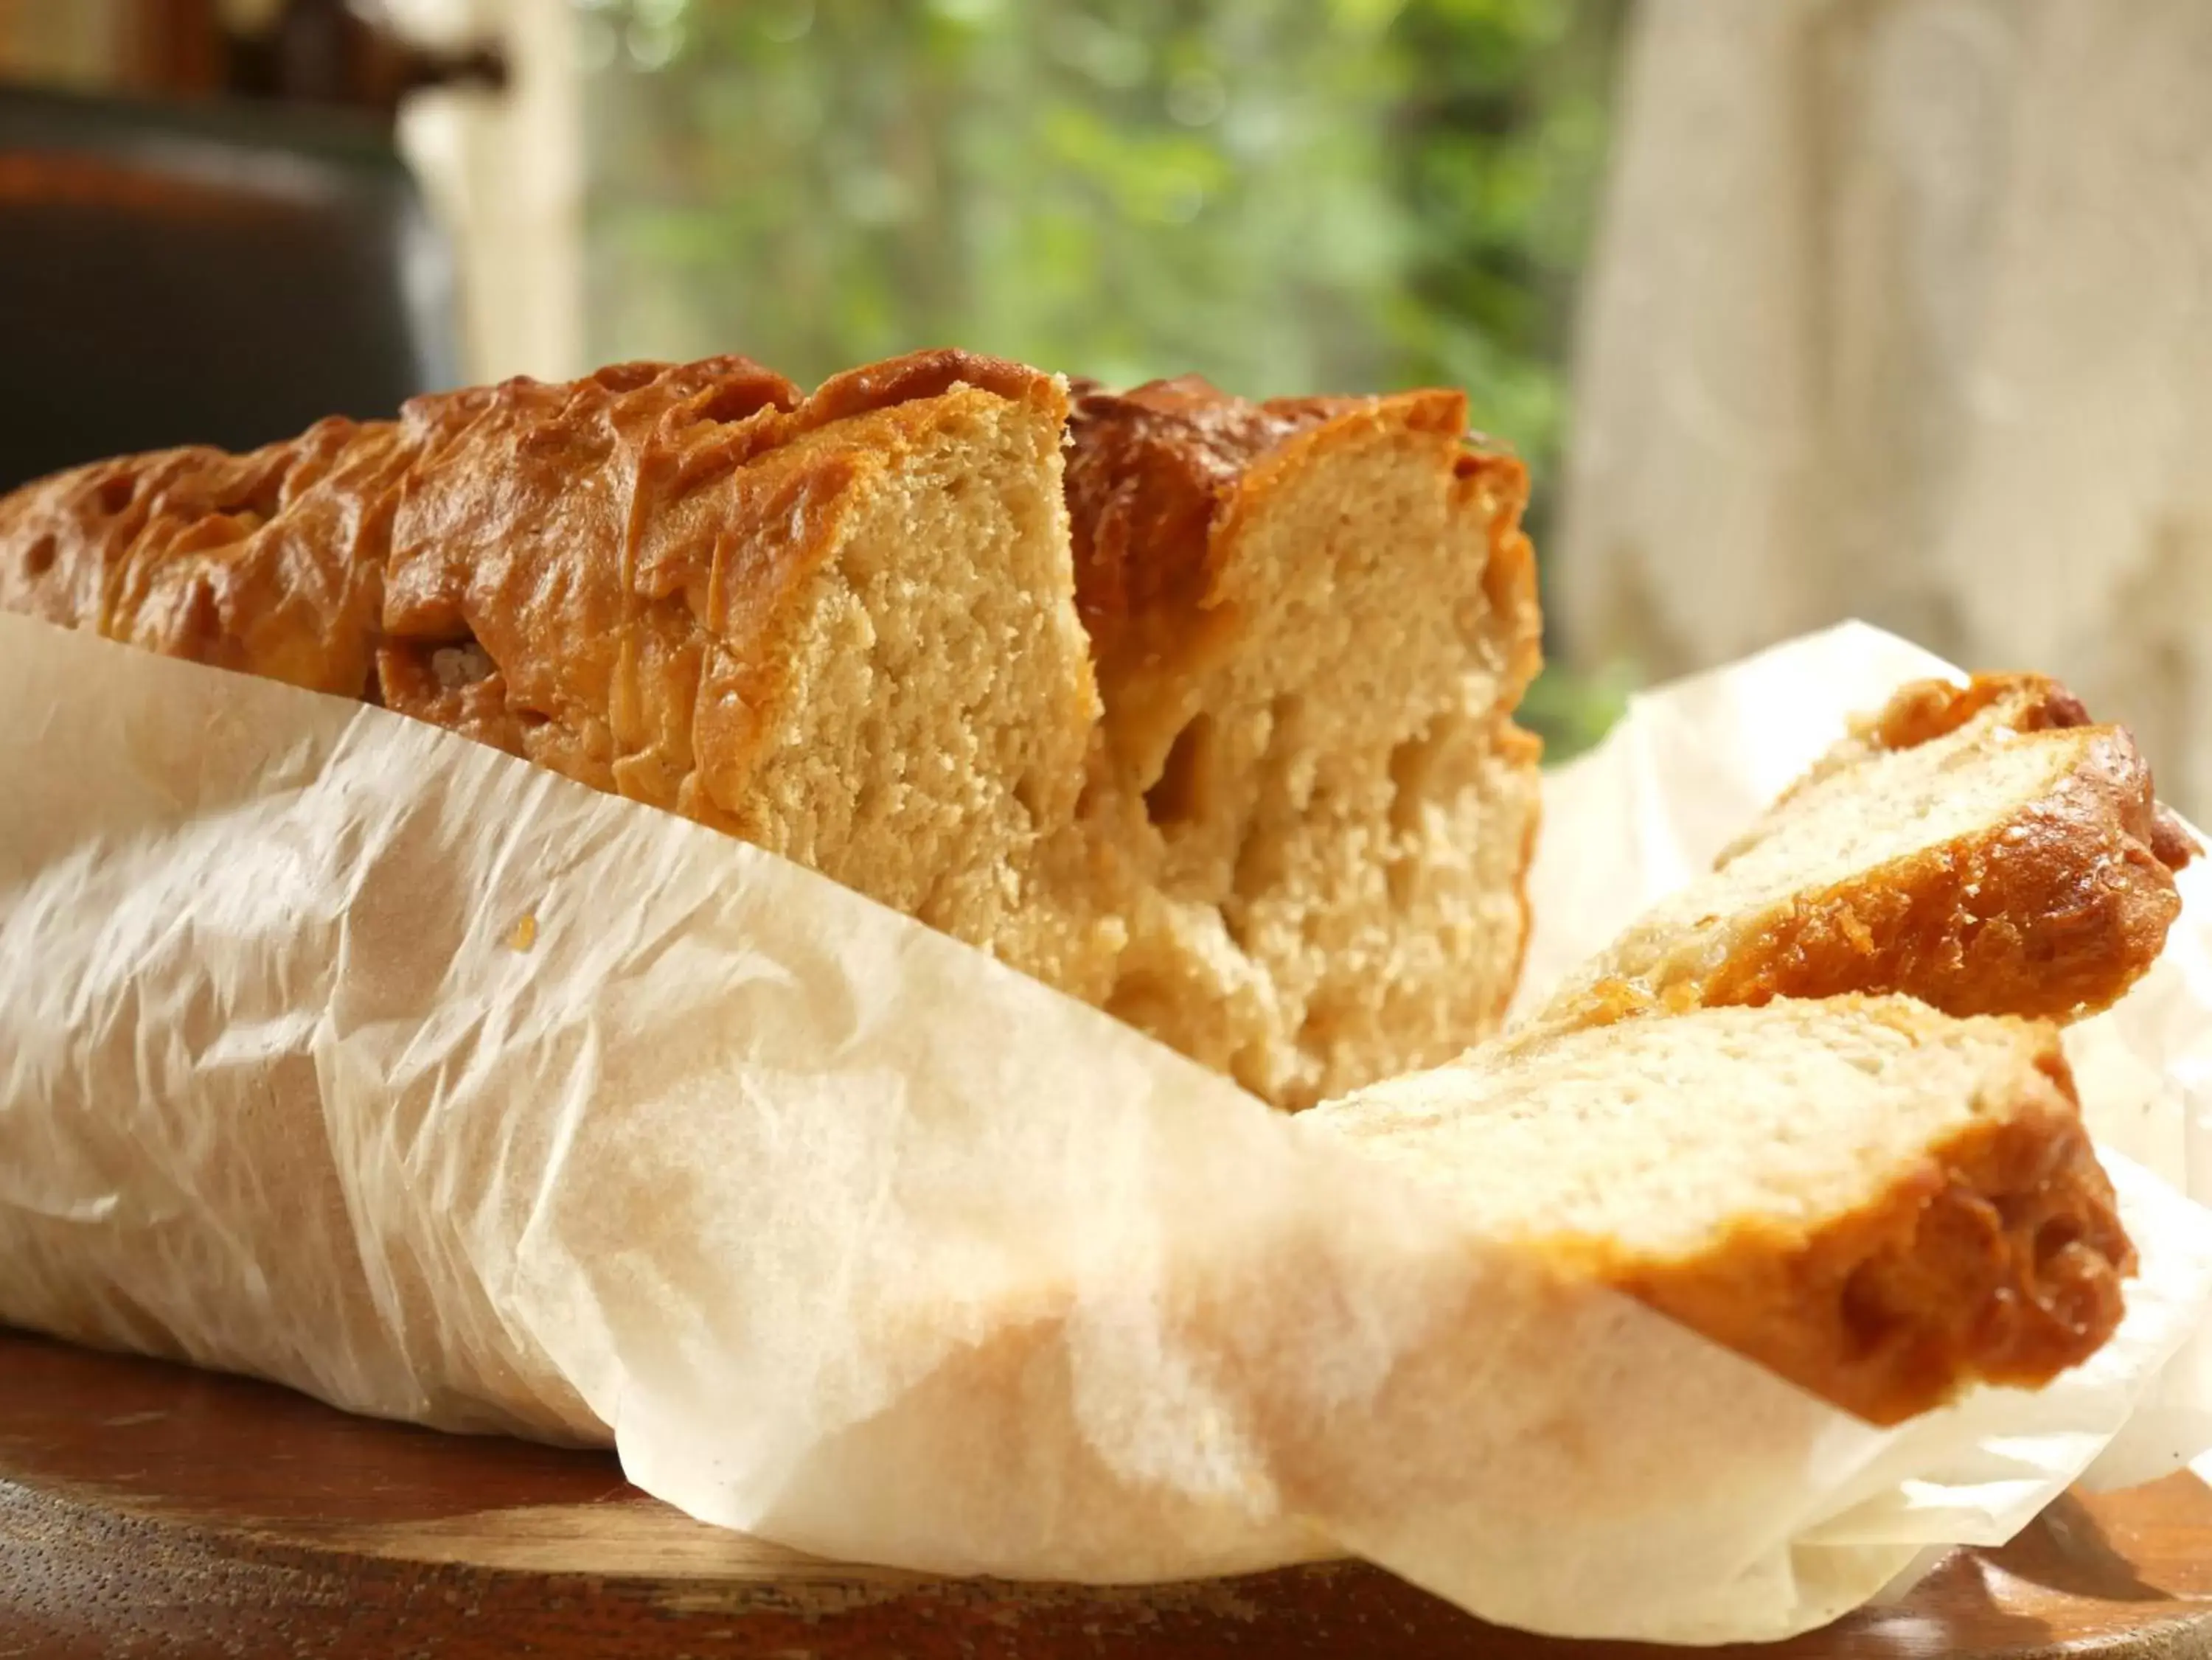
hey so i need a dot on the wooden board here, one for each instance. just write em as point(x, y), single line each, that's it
point(151, 1510)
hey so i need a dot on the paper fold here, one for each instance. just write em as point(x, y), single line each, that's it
point(340, 1049)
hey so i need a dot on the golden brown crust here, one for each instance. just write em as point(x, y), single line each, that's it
point(1999, 1260)
point(605, 576)
point(593, 574)
point(1147, 470)
point(1150, 471)
point(2171, 843)
point(2052, 908)
point(1985, 1246)
point(1928, 709)
point(1161, 481)
point(2053, 913)
point(916, 377)
point(524, 531)
point(707, 494)
point(1923, 712)
point(263, 562)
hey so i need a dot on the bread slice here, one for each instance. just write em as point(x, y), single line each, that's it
point(1313, 618)
point(1878, 1201)
point(1982, 848)
point(845, 626)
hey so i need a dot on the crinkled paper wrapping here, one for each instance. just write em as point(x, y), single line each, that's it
point(336, 1048)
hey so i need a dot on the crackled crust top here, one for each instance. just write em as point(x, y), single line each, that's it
point(1150, 469)
point(349, 558)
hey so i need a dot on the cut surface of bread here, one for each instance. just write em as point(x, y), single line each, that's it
point(1981, 848)
point(845, 626)
point(1879, 1203)
point(1313, 618)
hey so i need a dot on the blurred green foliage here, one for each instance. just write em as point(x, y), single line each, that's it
point(1573, 711)
point(1284, 196)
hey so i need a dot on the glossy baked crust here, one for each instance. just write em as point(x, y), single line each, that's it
point(2054, 913)
point(2000, 1259)
point(1154, 475)
point(1988, 1249)
point(1315, 617)
point(1152, 470)
point(2052, 907)
point(595, 575)
point(623, 579)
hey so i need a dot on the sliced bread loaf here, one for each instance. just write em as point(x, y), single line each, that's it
point(1878, 1201)
point(845, 626)
point(1982, 848)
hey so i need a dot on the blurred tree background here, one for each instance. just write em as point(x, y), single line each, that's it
point(1283, 196)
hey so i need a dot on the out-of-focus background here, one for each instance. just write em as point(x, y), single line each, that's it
point(1799, 308)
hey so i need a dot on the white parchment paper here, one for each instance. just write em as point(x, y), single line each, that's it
point(339, 1049)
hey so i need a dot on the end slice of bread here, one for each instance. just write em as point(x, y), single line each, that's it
point(1936, 717)
point(1312, 620)
point(1983, 848)
point(1878, 1201)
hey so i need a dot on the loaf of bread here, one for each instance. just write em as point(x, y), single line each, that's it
point(1983, 848)
point(846, 627)
point(1879, 1203)
point(1201, 711)
point(840, 626)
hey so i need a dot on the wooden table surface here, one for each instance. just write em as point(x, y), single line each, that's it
point(149, 1510)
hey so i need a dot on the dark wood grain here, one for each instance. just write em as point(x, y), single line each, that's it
point(149, 1510)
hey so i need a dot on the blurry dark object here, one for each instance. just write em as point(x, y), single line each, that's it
point(204, 274)
point(171, 46)
point(332, 54)
point(345, 53)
